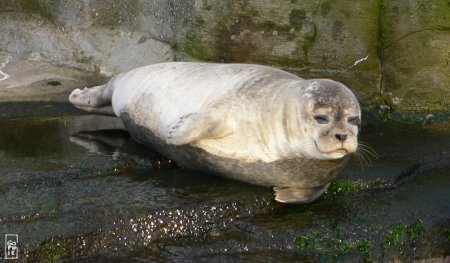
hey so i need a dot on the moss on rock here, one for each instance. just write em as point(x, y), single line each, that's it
point(415, 54)
point(295, 36)
point(44, 8)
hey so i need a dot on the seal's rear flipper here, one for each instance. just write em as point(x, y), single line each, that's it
point(96, 99)
point(296, 195)
point(197, 126)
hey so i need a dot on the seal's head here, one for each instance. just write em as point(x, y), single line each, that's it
point(332, 117)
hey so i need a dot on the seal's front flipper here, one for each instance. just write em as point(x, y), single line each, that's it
point(197, 126)
point(295, 195)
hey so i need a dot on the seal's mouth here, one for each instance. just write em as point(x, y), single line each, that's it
point(337, 153)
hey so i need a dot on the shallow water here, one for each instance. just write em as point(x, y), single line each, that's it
point(74, 196)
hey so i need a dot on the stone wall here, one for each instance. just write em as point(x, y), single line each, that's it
point(104, 36)
point(394, 54)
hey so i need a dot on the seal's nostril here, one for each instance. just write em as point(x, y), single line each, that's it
point(341, 137)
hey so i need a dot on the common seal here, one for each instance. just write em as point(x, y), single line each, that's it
point(246, 122)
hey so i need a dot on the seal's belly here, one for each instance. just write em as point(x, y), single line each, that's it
point(296, 172)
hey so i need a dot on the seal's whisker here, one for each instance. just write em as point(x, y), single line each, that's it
point(365, 160)
point(359, 160)
point(369, 150)
point(364, 153)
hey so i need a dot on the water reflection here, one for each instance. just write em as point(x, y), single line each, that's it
point(32, 138)
point(107, 142)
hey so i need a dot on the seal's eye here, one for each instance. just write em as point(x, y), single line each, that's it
point(354, 121)
point(321, 119)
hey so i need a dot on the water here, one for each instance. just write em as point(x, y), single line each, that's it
point(99, 196)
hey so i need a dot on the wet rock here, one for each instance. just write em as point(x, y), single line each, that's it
point(27, 80)
point(70, 201)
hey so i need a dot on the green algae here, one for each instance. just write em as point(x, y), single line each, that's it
point(403, 234)
point(365, 249)
point(297, 18)
point(330, 245)
point(404, 239)
point(43, 8)
point(54, 83)
point(322, 247)
point(341, 187)
point(195, 48)
point(447, 233)
point(385, 113)
point(52, 250)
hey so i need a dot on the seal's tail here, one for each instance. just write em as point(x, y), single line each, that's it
point(96, 99)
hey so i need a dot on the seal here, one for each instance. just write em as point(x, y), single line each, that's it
point(245, 122)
